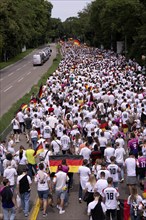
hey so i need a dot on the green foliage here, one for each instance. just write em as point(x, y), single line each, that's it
point(23, 23)
point(104, 22)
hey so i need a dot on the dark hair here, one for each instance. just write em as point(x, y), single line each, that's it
point(110, 180)
point(5, 181)
point(9, 156)
point(41, 166)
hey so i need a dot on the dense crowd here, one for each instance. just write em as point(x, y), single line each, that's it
point(93, 105)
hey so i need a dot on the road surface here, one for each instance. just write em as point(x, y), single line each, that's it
point(17, 79)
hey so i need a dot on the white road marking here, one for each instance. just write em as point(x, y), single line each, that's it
point(8, 88)
point(24, 65)
point(28, 73)
point(11, 74)
point(20, 79)
point(1, 79)
point(18, 69)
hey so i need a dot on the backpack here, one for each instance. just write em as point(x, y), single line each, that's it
point(97, 213)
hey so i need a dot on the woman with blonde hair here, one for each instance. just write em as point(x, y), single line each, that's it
point(134, 201)
point(97, 166)
point(89, 189)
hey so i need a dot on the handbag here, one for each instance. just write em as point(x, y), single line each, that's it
point(18, 201)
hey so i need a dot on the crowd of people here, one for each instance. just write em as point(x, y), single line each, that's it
point(93, 105)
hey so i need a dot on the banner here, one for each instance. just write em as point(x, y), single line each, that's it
point(73, 162)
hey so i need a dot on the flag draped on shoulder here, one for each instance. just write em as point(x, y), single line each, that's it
point(73, 161)
point(77, 42)
point(40, 92)
point(39, 149)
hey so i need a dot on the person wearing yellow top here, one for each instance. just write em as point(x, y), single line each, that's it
point(32, 165)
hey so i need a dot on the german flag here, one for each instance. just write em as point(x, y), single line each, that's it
point(73, 161)
point(77, 42)
point(23, 106)
point(39, 149)
point(40, 92)
point(124, 211)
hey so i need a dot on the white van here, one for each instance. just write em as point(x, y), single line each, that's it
point(37, 59)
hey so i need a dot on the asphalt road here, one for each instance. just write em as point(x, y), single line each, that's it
point(17, 79)
point(74, 210)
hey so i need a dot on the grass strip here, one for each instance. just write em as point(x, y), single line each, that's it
point(5, 120)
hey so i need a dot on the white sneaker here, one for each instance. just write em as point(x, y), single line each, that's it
point(61, 212)
point(58, 207)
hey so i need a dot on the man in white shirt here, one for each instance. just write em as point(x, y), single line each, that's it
point(59, 129)
point(102, 142)
point(130, 165)
point(86, 152)
point(101, 183)
point(65, 142)
point(60, 180)
point(20, 117)
point(56, 146)
point(84, 173)
point(114, 171)
point(109, 151)
point(119, 155)
point(111, 195)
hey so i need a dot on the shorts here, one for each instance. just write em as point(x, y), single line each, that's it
point(16, 131)
point(61, 194)
point(44, 194)
point(131, 180)
point(142, 173)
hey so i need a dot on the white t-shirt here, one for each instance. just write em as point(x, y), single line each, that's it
point(119, 154)
point(65, 141)
point(85, 152)
point(109, 151)
point(59, 130)
point(60, 179)
point(92, 205)
point(114, 169)
point(84, 175)
point(110, 194)
point(47, 131)
point(10, 173)
point(101, 184)
point(56, 145)
point(130, 164)
point(42, 183)
point(107, 174)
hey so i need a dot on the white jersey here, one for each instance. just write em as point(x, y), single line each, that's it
point(56, 145)
point(109, 151)
point(92, 205)
point(107, 174)
point(100, 185)
point(65, 141)
point(59, 130)
point(119, 154)
point(84, 175)
point(47, 131)
point(85, 152)
point(111, 195)
point(114, 169)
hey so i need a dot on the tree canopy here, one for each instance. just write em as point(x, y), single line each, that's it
point(23, 23)
point(104, 22)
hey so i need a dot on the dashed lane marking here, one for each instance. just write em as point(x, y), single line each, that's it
point(11, 74)
point(20, 79)
point(8, 88)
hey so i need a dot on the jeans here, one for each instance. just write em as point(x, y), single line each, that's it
point(25, 199)
point(34, 142)
point(32, 169)
point(1, 167)
point(111, 214)
point(121, 174)
point(80, 192)
point(9, 213)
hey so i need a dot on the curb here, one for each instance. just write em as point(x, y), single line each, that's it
point(35, 211)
